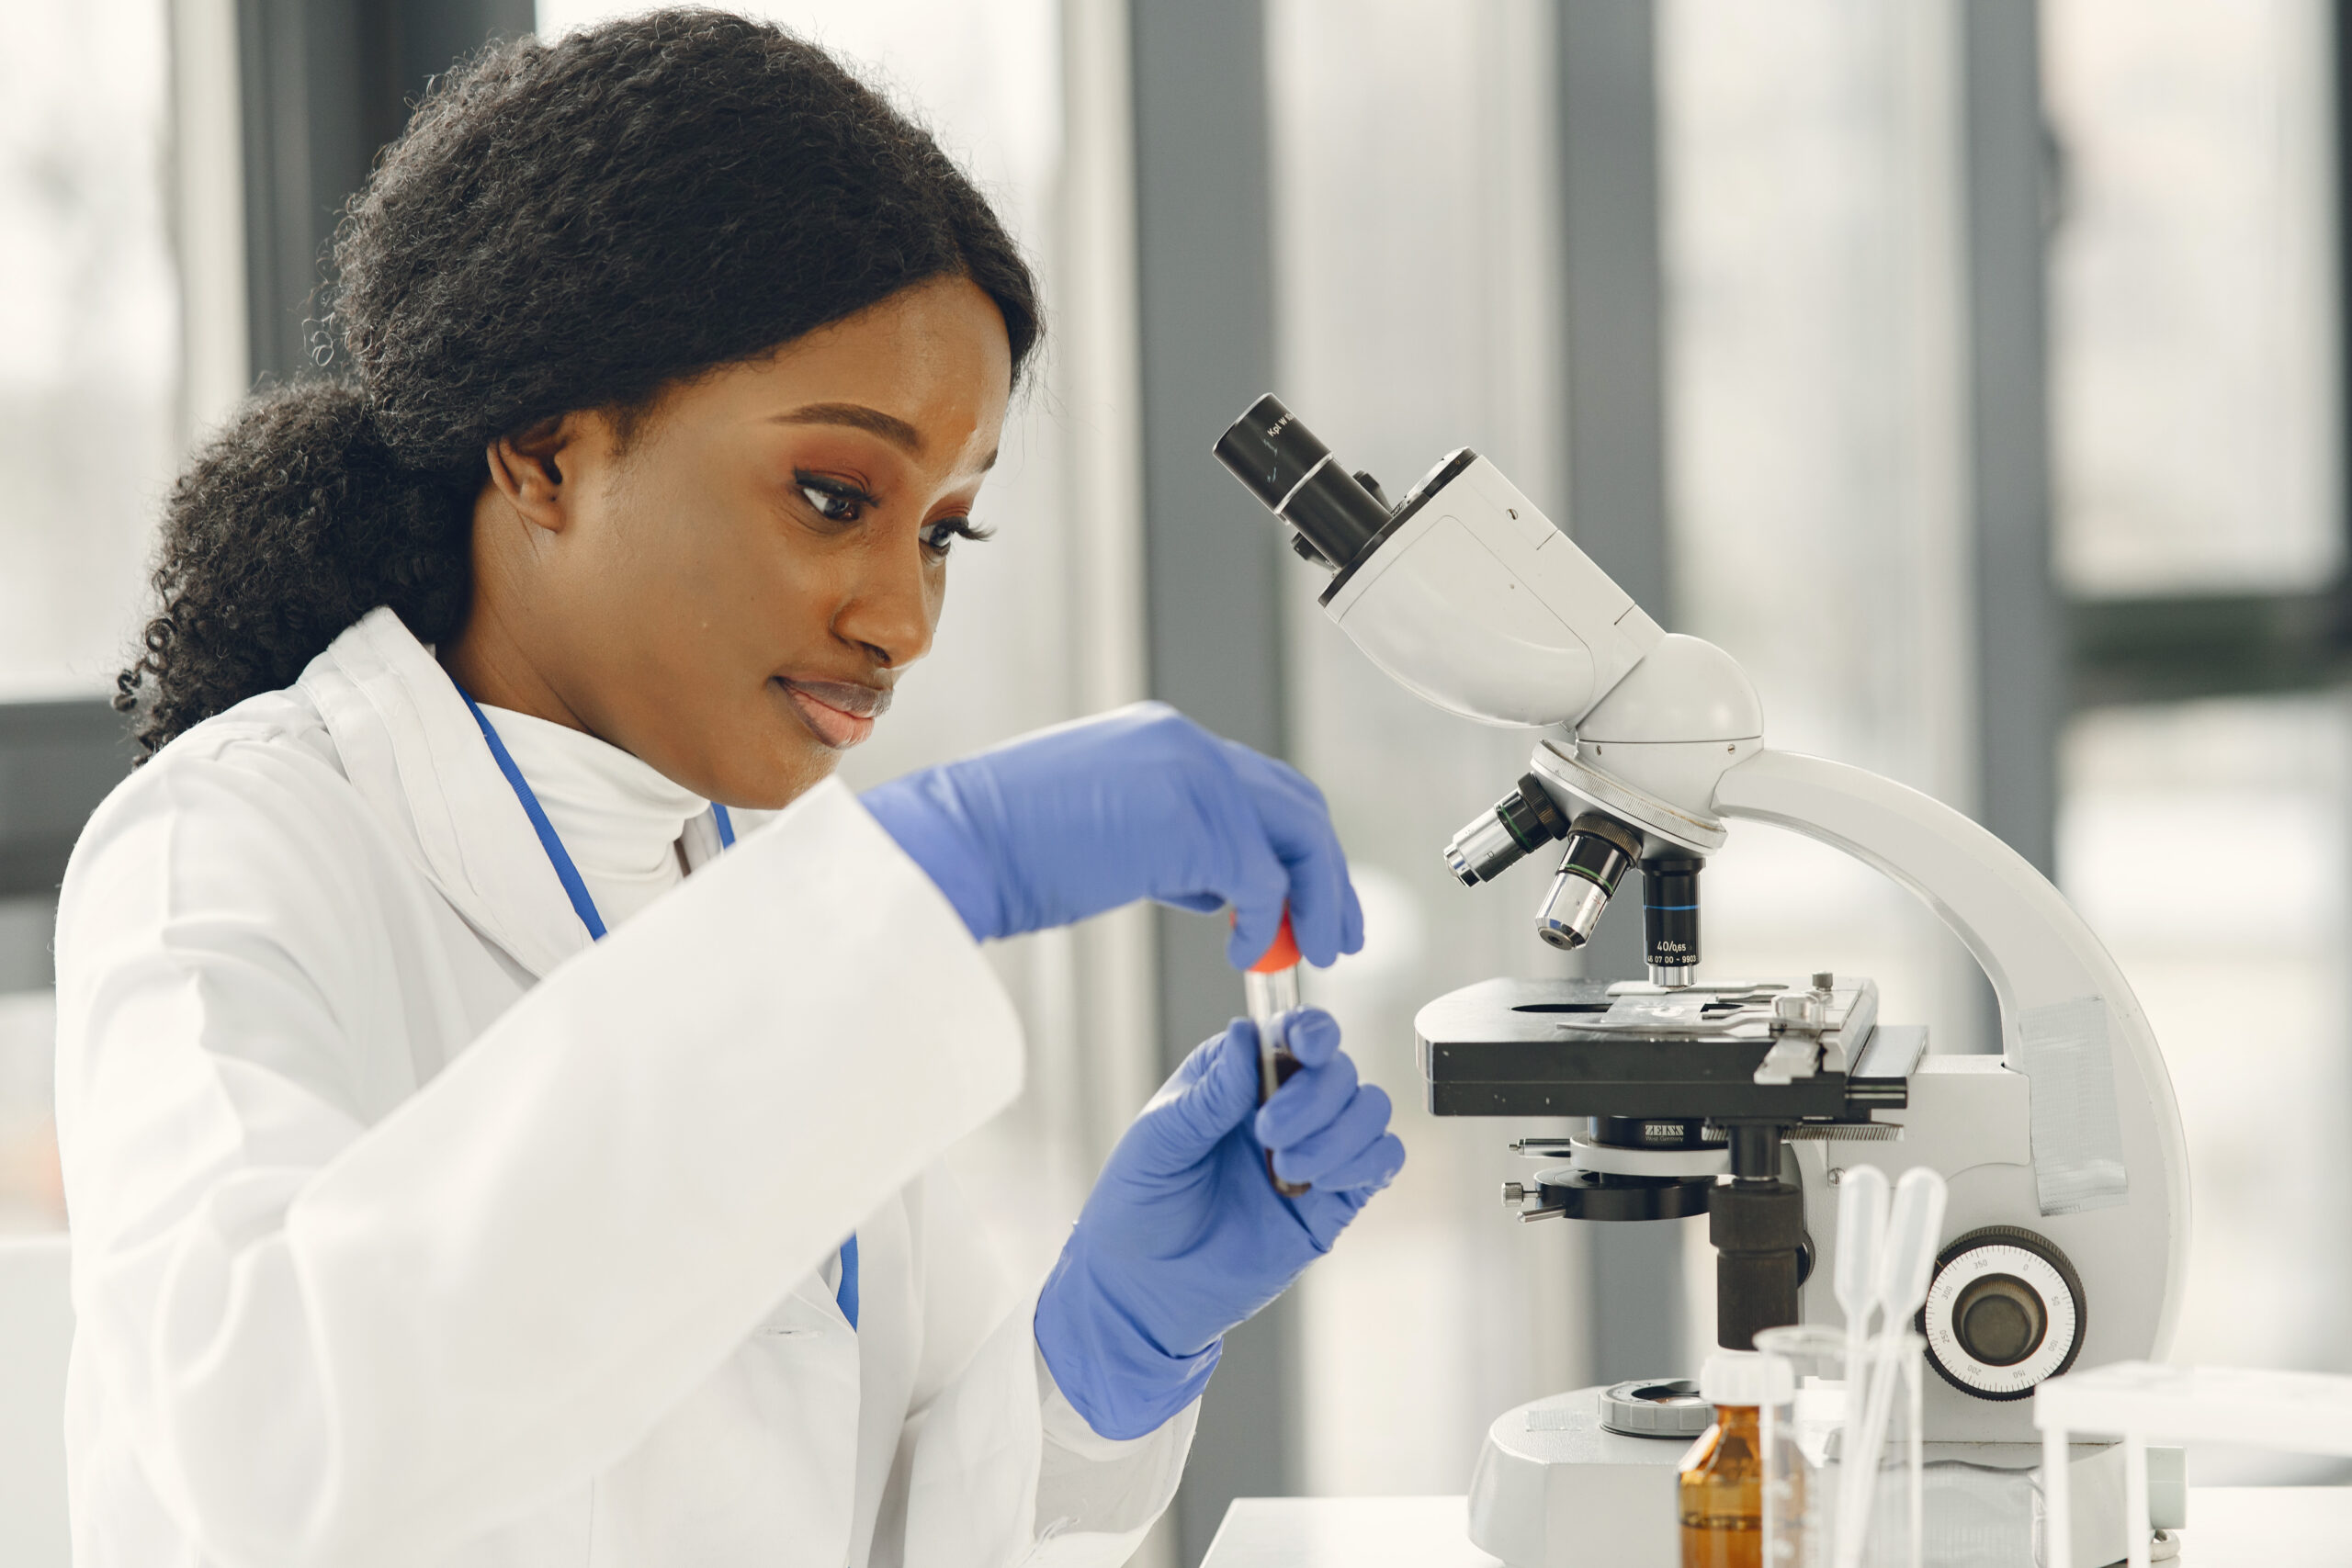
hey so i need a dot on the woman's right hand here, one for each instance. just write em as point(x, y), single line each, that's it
point(1140, 803)
point(1183, 1237)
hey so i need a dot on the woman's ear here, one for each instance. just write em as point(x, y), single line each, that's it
point(527, 468)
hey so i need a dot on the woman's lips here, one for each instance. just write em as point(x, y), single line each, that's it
point(839, 713)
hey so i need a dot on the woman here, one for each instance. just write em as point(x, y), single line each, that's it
point(418, 1219)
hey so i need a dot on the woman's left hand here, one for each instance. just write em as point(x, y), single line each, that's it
point(1183, 1235)
point(1141, 803)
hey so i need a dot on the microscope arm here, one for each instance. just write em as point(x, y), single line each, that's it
point(2034, 948)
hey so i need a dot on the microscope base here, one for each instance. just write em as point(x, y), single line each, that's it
point(1555, 1489)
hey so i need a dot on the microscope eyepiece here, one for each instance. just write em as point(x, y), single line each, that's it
point(1268, 450)
point(1296, 477)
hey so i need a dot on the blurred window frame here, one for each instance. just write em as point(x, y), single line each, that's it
point(2180, 647)
point(279, 108)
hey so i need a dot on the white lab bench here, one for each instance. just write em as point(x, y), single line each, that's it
point(2229, 1526)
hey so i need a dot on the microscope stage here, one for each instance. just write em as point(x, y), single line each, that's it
point(1510, 1047)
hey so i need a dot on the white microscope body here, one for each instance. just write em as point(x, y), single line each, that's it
point(2066, 1232)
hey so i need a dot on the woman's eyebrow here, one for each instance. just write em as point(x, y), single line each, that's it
point(857, 416)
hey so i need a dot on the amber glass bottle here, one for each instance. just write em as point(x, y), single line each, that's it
point(1722, 1494)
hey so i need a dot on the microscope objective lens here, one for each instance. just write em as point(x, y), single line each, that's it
point(1599, 850)
point(1670, 919)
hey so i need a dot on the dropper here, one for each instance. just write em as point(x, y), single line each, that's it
point(1907, 1259)
point(1861, 1231)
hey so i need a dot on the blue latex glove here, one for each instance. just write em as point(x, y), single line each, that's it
point(1138, 803)
point(1183, 1236)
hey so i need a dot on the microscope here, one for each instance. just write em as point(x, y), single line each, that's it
point(1745, 1099)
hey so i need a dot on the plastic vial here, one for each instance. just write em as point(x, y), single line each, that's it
point(1721, 1493)
point(1270, 989)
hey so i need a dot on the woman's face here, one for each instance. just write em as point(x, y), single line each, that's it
point(732, 591)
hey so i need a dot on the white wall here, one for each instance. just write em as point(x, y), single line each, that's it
point(36, 1327)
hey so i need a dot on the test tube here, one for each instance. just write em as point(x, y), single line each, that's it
point(1270, 989)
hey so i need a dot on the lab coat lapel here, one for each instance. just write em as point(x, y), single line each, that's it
point(414, 751)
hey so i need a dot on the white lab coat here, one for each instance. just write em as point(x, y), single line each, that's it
point(411, 1228)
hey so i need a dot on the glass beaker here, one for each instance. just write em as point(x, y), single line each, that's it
point(1833, 1496)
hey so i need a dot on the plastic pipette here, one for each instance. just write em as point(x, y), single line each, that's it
point(1861, 1231)
point(1914, 1220)
point(1271, 991)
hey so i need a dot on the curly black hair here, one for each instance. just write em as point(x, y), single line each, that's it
point(572, 225)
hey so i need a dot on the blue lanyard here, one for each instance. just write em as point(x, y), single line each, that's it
point(558, 856)
point(585, 907)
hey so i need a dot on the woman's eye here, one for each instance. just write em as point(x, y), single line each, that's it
point(940, 536)
point(834, 503)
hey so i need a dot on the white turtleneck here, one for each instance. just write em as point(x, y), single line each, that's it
point(619, 818)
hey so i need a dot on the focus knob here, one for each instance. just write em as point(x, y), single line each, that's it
point(2000, 1320)
point(2005, 1311)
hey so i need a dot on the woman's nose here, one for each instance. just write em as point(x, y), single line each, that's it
point(893, 608)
